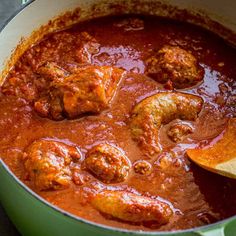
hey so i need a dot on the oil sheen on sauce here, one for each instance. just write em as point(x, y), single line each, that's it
point(199, 197)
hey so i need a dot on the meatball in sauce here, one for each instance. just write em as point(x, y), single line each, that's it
point(108, 163)
point(174, 65)
point(47, 163)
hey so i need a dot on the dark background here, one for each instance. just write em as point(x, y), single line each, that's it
point(7, 9)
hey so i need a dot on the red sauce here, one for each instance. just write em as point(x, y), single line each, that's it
point(198, 197)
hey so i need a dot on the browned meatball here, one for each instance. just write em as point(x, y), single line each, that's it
point(48, 162)
point(142, 167)
point(176, 65)
point(177, 132)
point(108, 163)
point(89, 90)
point(131, 207)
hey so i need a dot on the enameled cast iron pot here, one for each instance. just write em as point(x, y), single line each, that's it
point(30, 213)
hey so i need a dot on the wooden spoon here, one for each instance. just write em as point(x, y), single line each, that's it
point(221, 157)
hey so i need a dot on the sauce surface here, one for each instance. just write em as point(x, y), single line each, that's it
point(197, 197)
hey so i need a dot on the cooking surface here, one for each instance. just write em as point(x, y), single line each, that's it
point(196, 196)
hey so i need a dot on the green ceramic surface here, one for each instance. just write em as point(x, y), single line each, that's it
point(35, 217)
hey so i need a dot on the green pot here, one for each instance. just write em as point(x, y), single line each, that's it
point(31, 214)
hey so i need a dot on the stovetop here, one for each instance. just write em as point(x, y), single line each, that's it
point(7, 9)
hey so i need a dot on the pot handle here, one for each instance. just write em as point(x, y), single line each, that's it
point(215, 232)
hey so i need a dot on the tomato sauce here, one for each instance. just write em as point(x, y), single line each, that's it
point(197, 196)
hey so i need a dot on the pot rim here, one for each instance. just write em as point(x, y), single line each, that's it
point(219, 224)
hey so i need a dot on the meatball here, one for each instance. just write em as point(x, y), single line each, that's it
point(151, 113)
point(177, 132)
point(89, 90)
point(176, 65)
point(107, 163)
point(47, 164)
point(142, 167)
point(131, 207)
